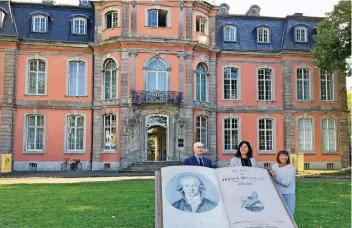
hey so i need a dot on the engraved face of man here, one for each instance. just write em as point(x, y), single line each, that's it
point(190, 186)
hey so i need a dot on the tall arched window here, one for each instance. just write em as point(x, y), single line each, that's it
point(110, 80)
point(201, 82)
point(156, 78)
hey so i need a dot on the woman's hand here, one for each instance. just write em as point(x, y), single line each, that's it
point(273, 174)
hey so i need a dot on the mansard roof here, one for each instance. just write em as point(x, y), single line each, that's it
point(8, 27)
point(281, 33)
point(59, 21)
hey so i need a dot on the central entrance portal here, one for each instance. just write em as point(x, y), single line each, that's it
point(156, 144)
point(157, 133)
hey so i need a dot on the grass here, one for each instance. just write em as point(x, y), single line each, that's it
point(320, 203)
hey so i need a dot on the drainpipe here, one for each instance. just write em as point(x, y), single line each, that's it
point(92, 126)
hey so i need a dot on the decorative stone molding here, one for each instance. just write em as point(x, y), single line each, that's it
point(133, 53)
point(156, 120)
point(182, 54)
point(35, 111)
point(156, 55)
point(182, 4)
point(134, 3)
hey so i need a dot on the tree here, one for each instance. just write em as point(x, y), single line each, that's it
point(333, 40)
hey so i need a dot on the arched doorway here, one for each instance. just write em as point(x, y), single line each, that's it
point(156, 149)
point(157, 133)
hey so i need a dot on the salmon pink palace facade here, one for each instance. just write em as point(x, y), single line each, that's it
point(115, 83)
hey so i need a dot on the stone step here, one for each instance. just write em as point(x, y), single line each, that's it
point(156, 163)
point(146, 165)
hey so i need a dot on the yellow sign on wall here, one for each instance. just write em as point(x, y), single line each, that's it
point(6, 163)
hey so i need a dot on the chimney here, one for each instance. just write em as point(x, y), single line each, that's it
point(298, 14)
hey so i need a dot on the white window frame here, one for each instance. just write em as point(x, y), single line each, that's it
point(77, 78)
point(114, 14)
point(238, 89)
point(261, 34)
point(202, 24)
point(202, 117)
point(206, 74)
point(158, 74)
point(305, 150)
point(79, 20)
point(230, 29)
point(273, 130)
point(272, 80)
point(25, 132)
point(37, 76)
point(104, 79)
point(239, 133)
point(45, 22)
point(310, 94)
point(299, 29)
point(325, 81)
point(110, 115)
point(328, 136)
point(157, 8)
point(75, 151)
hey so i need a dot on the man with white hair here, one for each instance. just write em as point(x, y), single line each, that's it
point(198, 159)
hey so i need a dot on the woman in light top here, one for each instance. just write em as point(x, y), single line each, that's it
point(244, 156)
point(285, 177)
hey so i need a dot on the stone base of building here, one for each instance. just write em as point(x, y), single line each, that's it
point(43, 166)
point(308, 165)
point(107, 166)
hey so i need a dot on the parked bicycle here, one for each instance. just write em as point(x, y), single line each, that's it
point(76, 165)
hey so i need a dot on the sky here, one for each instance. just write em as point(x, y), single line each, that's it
point(274, 8)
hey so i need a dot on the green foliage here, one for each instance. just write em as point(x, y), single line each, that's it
point(333, 42)
point(130, 204)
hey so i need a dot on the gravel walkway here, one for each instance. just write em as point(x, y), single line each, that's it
point(58, 180)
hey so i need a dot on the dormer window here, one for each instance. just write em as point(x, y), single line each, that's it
point(79, 26)
point(263, 35)
point(84, 2)
point(230, 33)
point(157, 18)
point(39, 23)
point(200, 24)
point(301, 35)
point(111, 19)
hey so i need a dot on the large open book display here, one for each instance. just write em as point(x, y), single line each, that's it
point(231, 197)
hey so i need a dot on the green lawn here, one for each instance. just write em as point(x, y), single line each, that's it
point(320, 203)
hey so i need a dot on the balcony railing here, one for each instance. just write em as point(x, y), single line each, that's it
point(157, 97)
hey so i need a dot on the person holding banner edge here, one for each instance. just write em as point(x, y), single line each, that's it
point(284, 175)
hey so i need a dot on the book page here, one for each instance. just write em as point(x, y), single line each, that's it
point(251, 199)
point(191, 198)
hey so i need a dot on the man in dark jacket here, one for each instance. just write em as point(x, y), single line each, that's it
point(198, 159)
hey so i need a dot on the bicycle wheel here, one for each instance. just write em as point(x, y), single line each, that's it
point(64, 166)
point(78, 167)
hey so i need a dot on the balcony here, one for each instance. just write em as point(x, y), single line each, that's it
point(157, 97)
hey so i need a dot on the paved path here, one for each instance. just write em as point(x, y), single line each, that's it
point(69, 177)
point(58, 180)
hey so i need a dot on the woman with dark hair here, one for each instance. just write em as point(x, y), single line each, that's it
point(285, 176)
point(244, 156)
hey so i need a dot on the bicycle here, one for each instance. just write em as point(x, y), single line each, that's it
point(76, 165)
